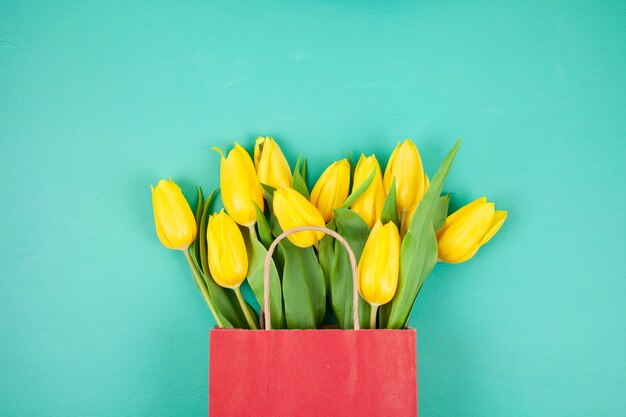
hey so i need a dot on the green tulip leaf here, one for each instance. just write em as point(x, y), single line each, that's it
point(383, 314)
point(355, 231)
point(364, 314)
point(199, 249)
point(279, 255)
point(390, 209)
point(297, 168)
point(418, 254)
point(304, 292)
point(202, 246)
point(298, 183)
point(326, 255)
point(359, 191)
point(268, 192)
point(255, 315)
point(224, 300)
point(199, 206)
point(256, 261)
point(265, 232)
point(226, 304)
point(441, 212)
point(303, 170)
point(351, 163)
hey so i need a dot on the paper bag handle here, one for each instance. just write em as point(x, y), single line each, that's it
point(268, 259)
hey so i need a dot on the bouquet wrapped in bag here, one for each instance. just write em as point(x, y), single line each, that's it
point(335, 272)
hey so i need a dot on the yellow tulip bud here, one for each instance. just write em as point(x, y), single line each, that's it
point(405, 165)
point(271, 165)
point(174, 220)
point(380, 264)
point(468, 229)
point(228, 260)
point(370, 205)
point(240, 186)
point(331, 190)
point(406, 220)
point(292, 209)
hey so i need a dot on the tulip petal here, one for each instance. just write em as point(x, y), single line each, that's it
point(228, 260)
point(271, 165)
point(387, 286)
point(331, 189)
point(367, 264)
point(462, 212)
point(405, 165)
point(498, 220)
point(466, 256)
point(240, 186)
point(175, 223)
point(379, 264)
point(370, 204)
point(258, 149)
point(155, 204)
point(465, 232)
point(292, 209)
point(389, 174)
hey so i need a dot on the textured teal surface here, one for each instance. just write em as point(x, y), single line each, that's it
point(100, 99)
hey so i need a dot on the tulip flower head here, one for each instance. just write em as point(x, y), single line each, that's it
point(175, 223)
point(467, 229)
point(271, 165)
point(331, 190)
point(405, 165)
point(369, 206)
point(380, 264)
point(240, 186)
point(228, 260)
point(292, 209)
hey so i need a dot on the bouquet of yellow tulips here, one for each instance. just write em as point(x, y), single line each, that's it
point(396, 223)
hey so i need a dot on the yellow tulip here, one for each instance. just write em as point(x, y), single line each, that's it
point(174, 220)
point(292, 209)
point(405, 165)
point(370, 205)
point(379, 266)
point(240, 186)
point(468, 229)
point(271, 165)
point(406, 220)
point(331, 190)
point(228, 260)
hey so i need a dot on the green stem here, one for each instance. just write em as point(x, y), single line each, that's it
point(203, 289)
point(245, 309)
point(252, 231)
point(373, 316)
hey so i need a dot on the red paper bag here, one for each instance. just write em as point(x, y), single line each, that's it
point(327, 372)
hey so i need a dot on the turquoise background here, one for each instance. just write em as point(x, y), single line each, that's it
point(100, 99)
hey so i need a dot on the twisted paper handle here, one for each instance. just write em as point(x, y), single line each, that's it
point(268, 259)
